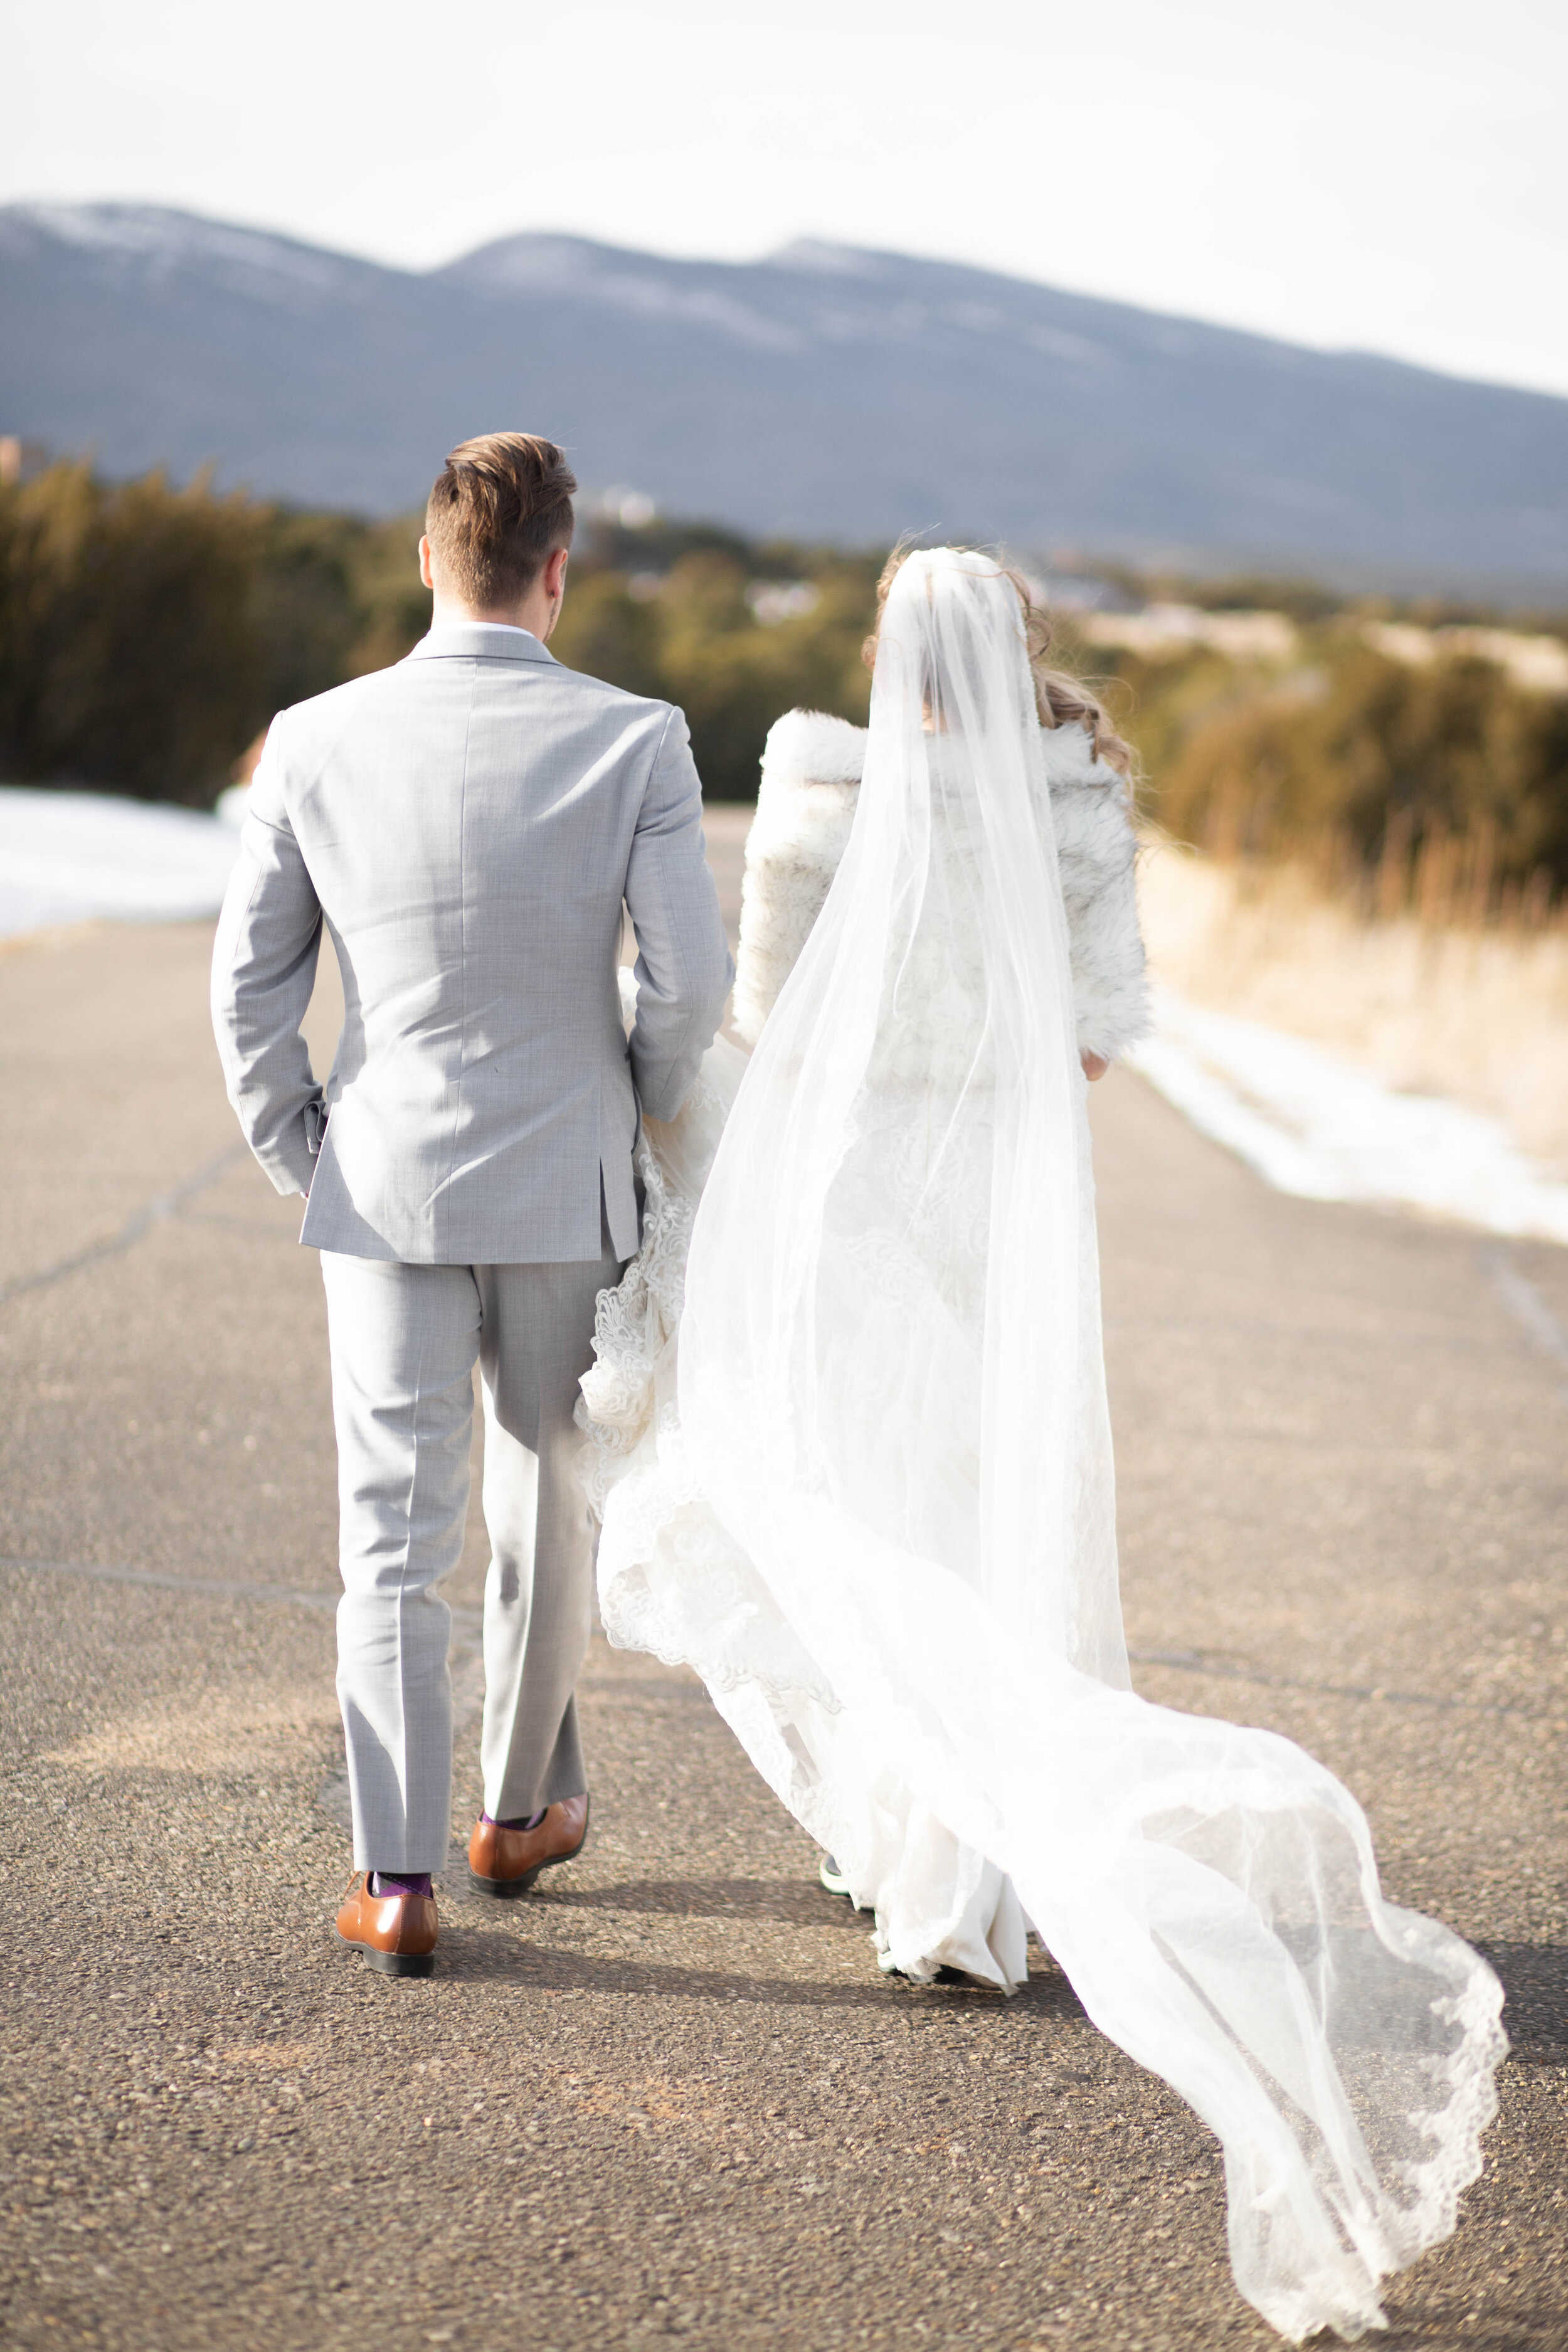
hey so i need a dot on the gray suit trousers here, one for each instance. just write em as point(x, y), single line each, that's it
point(404, 1342)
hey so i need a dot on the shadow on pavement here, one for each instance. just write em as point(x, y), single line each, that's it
point(797, 1903)
point(477, 1957)
point(1493, 2331)
point(1536, 2013)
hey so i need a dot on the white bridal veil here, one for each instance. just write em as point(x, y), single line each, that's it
point(880, 1521)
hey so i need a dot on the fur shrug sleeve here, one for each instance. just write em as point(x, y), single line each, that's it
point(805, 806)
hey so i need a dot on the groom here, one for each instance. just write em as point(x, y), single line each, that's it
point(467, 824)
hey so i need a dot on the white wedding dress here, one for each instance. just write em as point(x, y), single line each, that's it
point(852, 1456)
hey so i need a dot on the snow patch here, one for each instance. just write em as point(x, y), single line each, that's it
point(1312, 1125)
point(163, 236)
point(69, 857)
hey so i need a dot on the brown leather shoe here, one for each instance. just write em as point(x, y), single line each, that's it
point(506, 1861)
point(396, 1933)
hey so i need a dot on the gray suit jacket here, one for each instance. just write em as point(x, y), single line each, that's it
point(468, 825)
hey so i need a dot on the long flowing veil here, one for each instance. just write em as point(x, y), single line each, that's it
point(892, 1422)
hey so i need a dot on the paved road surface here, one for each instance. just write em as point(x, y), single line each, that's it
point(672, 2096)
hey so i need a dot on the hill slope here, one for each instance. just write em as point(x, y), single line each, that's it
point(824, 392)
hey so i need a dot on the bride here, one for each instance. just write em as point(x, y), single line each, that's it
point(852, 1456)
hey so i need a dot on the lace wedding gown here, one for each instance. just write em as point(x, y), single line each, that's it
point(936, 1903)
point(850, 1448)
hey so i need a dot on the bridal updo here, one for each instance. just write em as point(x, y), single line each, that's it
point(501, 507)
point(1062, 700)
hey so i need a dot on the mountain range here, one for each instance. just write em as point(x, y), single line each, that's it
point(825, 392)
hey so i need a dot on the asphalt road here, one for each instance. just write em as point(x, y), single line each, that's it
point(671, 2095)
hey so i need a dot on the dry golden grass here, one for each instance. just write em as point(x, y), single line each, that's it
point(1430, 998)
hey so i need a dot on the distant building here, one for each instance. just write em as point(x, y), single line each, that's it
point(1538, 664)
point(20, 459)
point(1164, 629)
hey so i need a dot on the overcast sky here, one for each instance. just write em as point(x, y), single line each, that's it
point(1391, 175)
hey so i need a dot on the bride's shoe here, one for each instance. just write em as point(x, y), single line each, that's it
point(832, 1877)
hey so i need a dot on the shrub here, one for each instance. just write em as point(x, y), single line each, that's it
point(1383, 756)
point(148, 633)
point(689, 635)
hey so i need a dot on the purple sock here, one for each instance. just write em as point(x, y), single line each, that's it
point(400, 1882)
point(533, 1822)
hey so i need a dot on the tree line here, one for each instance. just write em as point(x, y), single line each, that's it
point(1444, 783)
point(149, 631)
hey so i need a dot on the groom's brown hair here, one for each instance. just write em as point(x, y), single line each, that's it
point(501, 505)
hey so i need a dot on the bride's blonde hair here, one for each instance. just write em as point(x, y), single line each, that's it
point(1062, 700)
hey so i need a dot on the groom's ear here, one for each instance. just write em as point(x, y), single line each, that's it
point(426, 574)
